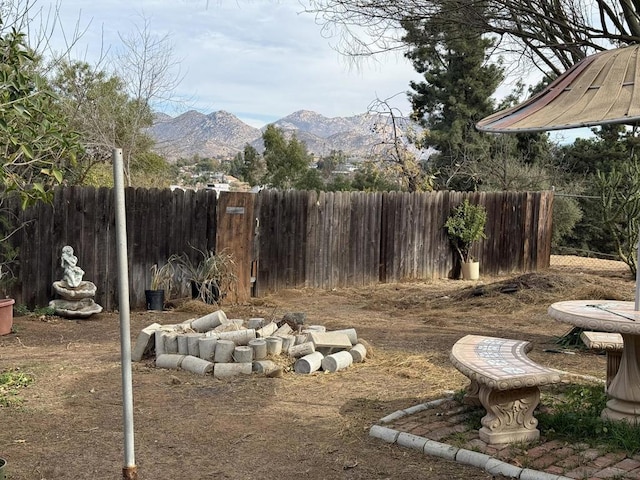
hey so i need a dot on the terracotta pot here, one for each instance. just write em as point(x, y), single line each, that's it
point(6, 315)
point(471, 271)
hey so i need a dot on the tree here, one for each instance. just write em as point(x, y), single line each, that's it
point(149, 72)
point(620, 209)
point(370, 177)
point(94, 104)
point(509, 164)
point(248, 166)
point(150, 170)
point(36, 146)
point(400, 148)
point(611, 145)
point(330, 163)
point(287, 161)
point(97, 106)
point(588, 163)
point(550, 35)
point(455, 94)
point(339, 183)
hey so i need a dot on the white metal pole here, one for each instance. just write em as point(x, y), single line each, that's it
point(129, 472)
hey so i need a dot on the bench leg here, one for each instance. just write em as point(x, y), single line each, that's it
point(613, 364)
point(509, 417)
point(471, 394)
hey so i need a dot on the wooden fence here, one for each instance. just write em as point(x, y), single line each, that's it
point(159, 223)
point(332, 240)
point(299, 239)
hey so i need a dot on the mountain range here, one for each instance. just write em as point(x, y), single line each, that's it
point(222, 135)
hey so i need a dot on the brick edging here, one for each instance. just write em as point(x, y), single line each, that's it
point(489, 464)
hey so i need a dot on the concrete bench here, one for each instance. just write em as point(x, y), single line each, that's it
point(506, 383)
point(611, 343)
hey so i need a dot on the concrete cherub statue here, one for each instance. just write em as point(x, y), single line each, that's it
point(72, 272)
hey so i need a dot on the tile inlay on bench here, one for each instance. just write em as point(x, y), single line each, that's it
point(505, 381)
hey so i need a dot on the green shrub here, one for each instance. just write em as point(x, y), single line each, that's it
point(11, 381)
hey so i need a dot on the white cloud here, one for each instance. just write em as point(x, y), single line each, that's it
point(259, 60)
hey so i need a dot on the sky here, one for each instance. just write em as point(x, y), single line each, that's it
point(260, 60)
point(257, 59)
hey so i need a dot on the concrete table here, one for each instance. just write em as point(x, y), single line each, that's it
point(617, 317)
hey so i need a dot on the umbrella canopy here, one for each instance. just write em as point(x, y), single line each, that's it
point(601, 89)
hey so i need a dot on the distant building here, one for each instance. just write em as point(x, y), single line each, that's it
point(219, 187)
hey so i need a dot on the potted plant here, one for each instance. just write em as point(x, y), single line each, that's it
point(8, 255)
point(6, 304)
point(161, 285)
point(465, 226)
point(211, 277)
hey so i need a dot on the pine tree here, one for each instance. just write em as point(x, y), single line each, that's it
point(455, 94)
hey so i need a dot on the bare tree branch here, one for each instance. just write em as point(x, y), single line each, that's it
point(551, 34)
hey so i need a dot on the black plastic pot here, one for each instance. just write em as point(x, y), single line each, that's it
point(208, 292)
point(155, 299)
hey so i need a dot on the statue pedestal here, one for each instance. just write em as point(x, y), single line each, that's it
point(76, 302)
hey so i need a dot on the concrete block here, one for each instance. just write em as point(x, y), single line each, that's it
point(498, 467)
point(411, 441)
point(209, 322)
point(309, 363)
point(475, 459)
point(383, 433)
point(336, 361)
point(267, 330)
point(169, 360)
point(358, 353)
point(170, 342)
point(441, 450)
point(393, 416)
point(255, 323)
point(196, 365)
point(417, 408)
point(329, 342)
point(145, 342)
point(349, 332)
point(224, 370)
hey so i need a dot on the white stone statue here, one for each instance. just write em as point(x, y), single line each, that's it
point(77, 294)
point(72, 272)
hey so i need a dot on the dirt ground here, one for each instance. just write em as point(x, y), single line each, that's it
point(69, 424)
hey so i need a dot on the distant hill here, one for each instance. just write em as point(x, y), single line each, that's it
point(222, 134)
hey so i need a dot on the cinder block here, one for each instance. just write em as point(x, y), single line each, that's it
point(145, 343)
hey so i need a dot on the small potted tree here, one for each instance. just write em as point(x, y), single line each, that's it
point(465, 226)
